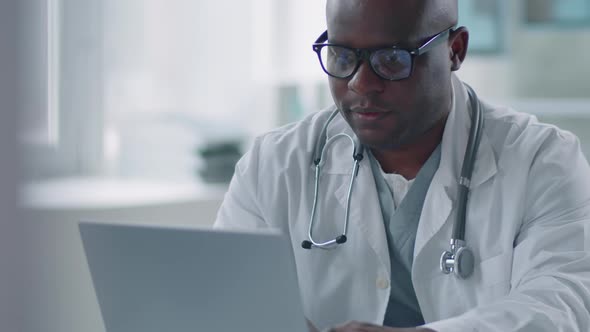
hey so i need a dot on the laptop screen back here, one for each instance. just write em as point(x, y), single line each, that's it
point(169, 279)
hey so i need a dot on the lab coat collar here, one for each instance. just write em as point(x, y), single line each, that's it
point(454, 142)
point(339, 156)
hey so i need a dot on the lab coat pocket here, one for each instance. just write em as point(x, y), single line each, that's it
point(494, 270)
point(491, 278)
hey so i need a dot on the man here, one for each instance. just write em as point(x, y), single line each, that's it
point(528, 214)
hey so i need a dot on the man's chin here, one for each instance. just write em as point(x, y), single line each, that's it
point(379, 142)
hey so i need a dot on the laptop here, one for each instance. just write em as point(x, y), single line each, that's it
point(179, 279)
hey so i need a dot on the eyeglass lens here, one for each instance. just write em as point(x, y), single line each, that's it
point(389, 63)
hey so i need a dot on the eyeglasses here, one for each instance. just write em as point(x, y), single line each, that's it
point(390, 63)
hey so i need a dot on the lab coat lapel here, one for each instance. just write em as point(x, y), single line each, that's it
point(365, 211)
point(441, 197)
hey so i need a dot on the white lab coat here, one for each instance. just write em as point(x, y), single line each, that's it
point(528, 224)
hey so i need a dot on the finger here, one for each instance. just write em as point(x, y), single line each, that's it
point(355, 326)
point(310, 326)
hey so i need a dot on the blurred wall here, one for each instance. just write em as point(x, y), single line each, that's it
point(541, 64)
point(540, 61)
point(552, 63)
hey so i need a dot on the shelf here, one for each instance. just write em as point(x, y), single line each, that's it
point(107, 193)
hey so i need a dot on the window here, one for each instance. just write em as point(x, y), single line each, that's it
point(483, 19)
point(62, 60)
point(41, 67)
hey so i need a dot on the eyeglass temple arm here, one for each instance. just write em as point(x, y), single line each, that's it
point(322, 38)
point(432, 42)
point(423, 49)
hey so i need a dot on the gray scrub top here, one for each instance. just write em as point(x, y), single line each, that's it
point(401, 225)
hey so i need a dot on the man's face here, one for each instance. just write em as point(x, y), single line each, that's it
point(389, 114)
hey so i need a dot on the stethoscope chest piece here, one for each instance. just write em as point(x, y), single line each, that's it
point(459, 260)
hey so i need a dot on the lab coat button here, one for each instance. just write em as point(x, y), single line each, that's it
point(382, 283)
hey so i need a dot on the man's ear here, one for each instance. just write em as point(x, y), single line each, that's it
point(459, 42)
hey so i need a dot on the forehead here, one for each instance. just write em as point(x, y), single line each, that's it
point(368, 23)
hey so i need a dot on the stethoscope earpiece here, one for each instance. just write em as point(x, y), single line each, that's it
point(306, 244)
point(341, 239)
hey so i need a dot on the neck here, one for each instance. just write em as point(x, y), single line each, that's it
point(407, 160)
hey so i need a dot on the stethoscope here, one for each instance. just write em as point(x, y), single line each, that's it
point(459, 259)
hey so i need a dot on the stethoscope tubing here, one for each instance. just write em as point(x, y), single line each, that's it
point(318, 161)
point(451, 260)
point(467, 167)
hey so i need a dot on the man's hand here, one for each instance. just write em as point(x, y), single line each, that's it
point(366, 327)
point(311, 327)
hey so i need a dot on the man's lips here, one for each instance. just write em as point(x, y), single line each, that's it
point(368, 114)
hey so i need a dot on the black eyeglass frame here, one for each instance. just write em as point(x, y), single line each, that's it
point(365, 54)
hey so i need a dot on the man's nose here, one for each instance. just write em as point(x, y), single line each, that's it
point(365, 81)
